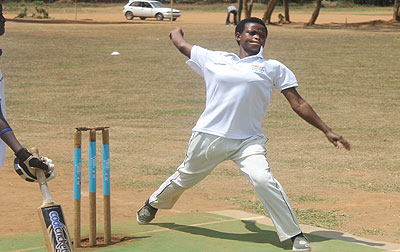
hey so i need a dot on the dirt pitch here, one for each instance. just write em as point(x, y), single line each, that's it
point(372, 214)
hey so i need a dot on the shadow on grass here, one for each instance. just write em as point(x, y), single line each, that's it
point(257, 235)
point(340, 236)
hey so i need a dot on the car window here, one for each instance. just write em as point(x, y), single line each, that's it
point(136, 4)
point(146, 5)
point(157, 4)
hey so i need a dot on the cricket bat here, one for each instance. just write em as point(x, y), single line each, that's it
point(51, 216)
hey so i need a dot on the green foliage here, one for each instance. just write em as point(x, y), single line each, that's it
point(374, 2)
point(23, 13)
point(38, 3)
point(40, 9)
point(40, 13)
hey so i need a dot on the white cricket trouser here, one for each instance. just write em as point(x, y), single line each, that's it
point(206, 151)
point(3, 110)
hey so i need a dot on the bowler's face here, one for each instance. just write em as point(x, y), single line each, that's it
point(252, 38)
point(2, 21)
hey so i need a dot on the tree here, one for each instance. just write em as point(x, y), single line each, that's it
point(396, 10)
point(286, 6)
point(248, 7)
point(315, 13)
point(268, 13)
point(240, 7)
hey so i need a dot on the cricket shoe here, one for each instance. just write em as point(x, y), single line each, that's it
point(301, 244)
point(146, 214)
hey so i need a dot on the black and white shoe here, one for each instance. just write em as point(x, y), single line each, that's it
point(146, 214)
point(301, 244)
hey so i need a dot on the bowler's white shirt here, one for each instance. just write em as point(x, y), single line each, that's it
point(238, 91)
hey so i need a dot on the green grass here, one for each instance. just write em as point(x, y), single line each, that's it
point(370, 231)
point(318, 218)
point(253, 205)
point(315, 217)
point(308, 198)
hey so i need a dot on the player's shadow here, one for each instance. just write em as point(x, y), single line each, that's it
point(341, 236)
point(257, 235)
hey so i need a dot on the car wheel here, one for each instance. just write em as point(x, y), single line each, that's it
point(142, 18)
point(159, 17)
point(129, 15)
point(174, 19)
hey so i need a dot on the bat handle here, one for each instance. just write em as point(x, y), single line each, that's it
point(44, 188)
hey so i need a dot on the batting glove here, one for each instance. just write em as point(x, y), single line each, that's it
point(25, 165)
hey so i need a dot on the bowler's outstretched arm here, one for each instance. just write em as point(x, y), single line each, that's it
point(305, 111)
point(176, 35)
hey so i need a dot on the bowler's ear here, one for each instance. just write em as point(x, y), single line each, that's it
point(237, 37)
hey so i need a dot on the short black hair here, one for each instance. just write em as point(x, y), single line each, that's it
point(240, 27)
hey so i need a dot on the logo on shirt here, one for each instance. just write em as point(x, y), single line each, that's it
point(257, 69)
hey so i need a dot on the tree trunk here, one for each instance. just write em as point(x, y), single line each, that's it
point(286, 6)
point(240, 7)
point(315, 13)
point(268, 13)
point(248, 7)
point(396, 10)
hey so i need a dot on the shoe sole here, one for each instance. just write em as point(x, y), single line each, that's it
point(140, 222)
point(302, 250)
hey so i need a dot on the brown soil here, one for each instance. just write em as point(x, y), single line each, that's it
point(334, 21)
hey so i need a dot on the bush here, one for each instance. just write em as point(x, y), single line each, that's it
point(38, 3)
point(22, 14)
point(41, 13)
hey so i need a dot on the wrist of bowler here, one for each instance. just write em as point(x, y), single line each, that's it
point(335, 138)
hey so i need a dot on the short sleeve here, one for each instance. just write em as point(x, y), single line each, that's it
point(198, 58)
point(284, 77)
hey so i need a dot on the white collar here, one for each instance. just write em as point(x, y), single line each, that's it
point(258, 55)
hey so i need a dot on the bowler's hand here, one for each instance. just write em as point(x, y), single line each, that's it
point(176, 31)
point(176, 36)
point(335, 138)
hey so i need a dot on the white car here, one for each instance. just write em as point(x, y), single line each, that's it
point(149, 9)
